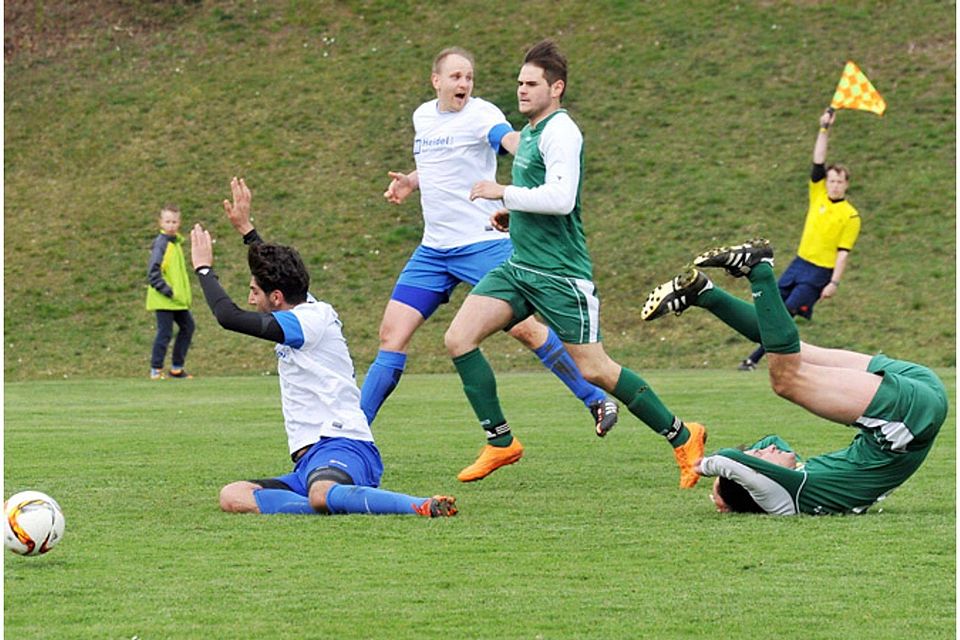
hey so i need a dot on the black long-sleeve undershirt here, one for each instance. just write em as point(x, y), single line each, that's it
point(228, 314)
point(232, 317)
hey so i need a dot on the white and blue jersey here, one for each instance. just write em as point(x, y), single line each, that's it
point(454, 150)
point(318, 390)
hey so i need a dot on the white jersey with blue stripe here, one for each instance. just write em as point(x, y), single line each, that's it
point(318, 388)
point(454, 150)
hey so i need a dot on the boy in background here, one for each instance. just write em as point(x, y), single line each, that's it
point(168, 294)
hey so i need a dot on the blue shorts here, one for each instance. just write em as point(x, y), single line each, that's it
point(430, 275)
point(801, 285)
point(359, 459)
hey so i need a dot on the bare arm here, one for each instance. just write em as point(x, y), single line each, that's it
point(510, 142)
point(820, 146)
point(831, 289)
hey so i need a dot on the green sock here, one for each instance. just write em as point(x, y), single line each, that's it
point(480, 385)
point(642, 402)
point(737, 314)
point(778, 331)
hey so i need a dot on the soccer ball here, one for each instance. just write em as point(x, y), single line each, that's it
point(33, 523)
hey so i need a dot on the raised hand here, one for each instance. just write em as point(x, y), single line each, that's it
point(238, 211)
point(201, 247)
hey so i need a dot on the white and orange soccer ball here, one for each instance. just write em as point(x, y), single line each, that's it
point(32, 524)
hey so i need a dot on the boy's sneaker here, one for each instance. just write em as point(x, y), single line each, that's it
point(747, 365)
point(437, 507)
point(156, 374)
point(180, 373)
point(689, 453)
point(739, 259)
point(676, 295)
point(491, 459)
point(604, 414)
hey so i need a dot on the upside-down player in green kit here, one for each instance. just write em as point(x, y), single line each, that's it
point(896, 406)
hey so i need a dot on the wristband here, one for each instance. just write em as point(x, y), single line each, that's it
point(835, 283)
point(824, 129)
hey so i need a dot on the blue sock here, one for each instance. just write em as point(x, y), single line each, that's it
point(381, 379)
point(282, 501)
point(348, 498)
point(555, 358)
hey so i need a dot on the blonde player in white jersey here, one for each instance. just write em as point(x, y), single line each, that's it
point(456, 143)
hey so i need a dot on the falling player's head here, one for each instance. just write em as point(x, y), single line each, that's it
point(729, 496)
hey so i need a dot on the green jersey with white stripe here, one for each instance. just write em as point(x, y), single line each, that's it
point(895, 435)
point(544, 199)
point(845, 481)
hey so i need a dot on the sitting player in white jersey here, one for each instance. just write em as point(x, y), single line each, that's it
point(456, 141)
point(896, 406)
point(337, 466)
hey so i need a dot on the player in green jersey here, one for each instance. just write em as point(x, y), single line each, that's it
point(549, 273)
point(896, 406)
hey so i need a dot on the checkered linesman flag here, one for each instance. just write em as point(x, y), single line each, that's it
point(854, 91)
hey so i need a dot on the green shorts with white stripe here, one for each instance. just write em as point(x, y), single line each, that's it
point(570, 306)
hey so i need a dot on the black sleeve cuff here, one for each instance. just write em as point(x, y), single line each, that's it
point(252, 237)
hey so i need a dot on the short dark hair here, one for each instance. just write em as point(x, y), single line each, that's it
point(546, 55)
point(451, 51)
point(841, 169)
point(736, 497)
point(276, 266)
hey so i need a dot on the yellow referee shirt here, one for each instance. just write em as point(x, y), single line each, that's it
point(830, 226)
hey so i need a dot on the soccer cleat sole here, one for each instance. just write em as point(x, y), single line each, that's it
point(737, 260)
point(675, 295)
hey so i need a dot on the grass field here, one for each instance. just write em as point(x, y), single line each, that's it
point(699, 119)
point(584, 538)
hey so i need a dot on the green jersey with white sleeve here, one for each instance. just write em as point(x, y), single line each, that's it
point(544, 199)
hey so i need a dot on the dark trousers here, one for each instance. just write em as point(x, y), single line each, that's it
point(165, 320)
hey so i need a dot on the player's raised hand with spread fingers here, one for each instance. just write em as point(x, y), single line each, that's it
point(201, 247)
point(238, 211)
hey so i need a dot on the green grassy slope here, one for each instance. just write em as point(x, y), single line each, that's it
point(699, 120)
